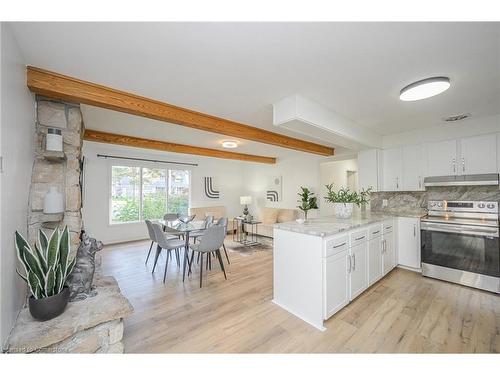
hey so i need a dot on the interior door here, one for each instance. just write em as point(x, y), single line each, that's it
point(336, 283)
point(358, 275)
point(374, 260)
point(412, 171)
point(478, 155)
point(442, 158)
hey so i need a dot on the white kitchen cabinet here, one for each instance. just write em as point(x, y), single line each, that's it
point(358, 270)
point(412, 173)
point(388, 248)
point(442, 158)
point(478, 155)
point(368, 169)
point(336, 290)
point(409, 242)
point(374, 260)
point(392, 169)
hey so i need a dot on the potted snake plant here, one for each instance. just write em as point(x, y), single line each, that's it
point(345, 199)
point(46, 268)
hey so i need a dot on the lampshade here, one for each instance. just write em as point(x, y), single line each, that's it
point(247, 199)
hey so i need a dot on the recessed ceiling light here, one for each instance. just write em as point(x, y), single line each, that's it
point(424, 89)
point(229, 144)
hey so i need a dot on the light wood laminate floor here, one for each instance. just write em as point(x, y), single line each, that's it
point(404, 312)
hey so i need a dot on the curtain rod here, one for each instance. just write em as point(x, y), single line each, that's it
point(139, 159)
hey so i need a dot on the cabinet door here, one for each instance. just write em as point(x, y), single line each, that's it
point(392, 169)
point(358, 275)
point(389, 253)
point(442, 158)
point(336, 291)
point(368, 169)
point(478, 155)
point(409, 242)
point(412, 171)
point(374, 260)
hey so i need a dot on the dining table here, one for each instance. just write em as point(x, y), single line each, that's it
point(180, 228)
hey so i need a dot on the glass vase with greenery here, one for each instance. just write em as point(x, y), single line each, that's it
point(344, 199)
point(307, 201)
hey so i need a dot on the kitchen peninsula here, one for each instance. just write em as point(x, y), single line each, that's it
point(323, 264)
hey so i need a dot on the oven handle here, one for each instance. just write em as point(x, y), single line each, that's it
point(448, 228)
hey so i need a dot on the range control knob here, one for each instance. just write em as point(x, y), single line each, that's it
point(490, 206)
point(440, 204)
point(481, 205)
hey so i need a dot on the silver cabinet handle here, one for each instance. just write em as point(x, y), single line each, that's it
point(384, 242)
point(354, 262)
point(420, 182)
point(454, 165)
point(349, 269)
point(397, 182)
point(376, 232)
point(337, 246)
point(359, 238)
point(463, 164)
point(414, 230)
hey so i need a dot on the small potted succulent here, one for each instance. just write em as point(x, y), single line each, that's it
point(46, 268)
point(345, 199)
point(307, 201)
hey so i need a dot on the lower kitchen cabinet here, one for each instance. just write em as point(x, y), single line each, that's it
point(336, 289)
point(409, 242)
point(375, 259)
point(388, 247)
point(358, 276)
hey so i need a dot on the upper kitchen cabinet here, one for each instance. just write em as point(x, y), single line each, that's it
point(368, 169)
point(478, 155)
point(442, 158)
point(392, 169)
point(412, 172)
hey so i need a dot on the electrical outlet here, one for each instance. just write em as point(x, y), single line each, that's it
point(385, 202)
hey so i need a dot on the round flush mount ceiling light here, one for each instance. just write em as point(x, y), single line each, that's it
point(229, 144)
point(424, 88)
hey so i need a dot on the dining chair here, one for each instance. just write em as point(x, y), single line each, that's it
point(169, 219)
point(210, 242)
point(166, 244)
point(152, 237)
point(223, 221)
point(209, 220)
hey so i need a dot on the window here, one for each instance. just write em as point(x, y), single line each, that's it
point(140, 193)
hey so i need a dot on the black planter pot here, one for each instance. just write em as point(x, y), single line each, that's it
point(50, 307)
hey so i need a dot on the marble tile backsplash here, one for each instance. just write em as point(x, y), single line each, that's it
point(417, 200)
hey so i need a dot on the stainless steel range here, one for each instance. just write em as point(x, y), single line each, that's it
point(460, 243)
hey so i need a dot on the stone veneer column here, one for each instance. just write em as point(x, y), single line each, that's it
point(57, 169)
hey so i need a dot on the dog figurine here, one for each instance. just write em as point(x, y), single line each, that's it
point(80, 279)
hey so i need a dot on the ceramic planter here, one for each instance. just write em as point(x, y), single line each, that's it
point(343, 210)
point(50, 307)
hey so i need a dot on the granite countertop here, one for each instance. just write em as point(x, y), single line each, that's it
point(328, 226)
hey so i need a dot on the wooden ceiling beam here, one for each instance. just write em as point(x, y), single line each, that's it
point(125, 140)
point(62, 87)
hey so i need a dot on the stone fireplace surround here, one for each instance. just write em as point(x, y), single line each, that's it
point(94, 325)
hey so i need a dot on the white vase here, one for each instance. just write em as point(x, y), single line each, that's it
point(343, 210)
point(53, 202)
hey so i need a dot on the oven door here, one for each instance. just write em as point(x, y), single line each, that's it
point(466, 248)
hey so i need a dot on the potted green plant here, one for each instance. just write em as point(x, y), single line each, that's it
point(345, 199)
point(46, 268)
point(307, 201)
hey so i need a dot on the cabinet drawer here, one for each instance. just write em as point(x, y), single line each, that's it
point(388, 226)
point(375, 230)
point(359, 236)
point(336, 245)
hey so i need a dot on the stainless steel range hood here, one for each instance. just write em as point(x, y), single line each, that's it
point(465, 180)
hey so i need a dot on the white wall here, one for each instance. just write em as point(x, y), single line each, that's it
point(334, 172)
point(228, 175)
point(465, 128)
point(17, 133)
point(296, 171)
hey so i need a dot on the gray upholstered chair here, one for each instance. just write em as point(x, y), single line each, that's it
point(210, 242)
point(152, 237)
point(166, 244)
point(223, 222)
point(170, 217)
point(209, 220)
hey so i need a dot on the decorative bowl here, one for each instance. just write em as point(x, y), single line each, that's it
point(186, 218)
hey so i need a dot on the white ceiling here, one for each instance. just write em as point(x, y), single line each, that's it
point(237, 70)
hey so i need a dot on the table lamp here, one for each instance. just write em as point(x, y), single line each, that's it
point(245, 200)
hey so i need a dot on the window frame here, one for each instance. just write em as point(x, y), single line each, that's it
point(112, 164)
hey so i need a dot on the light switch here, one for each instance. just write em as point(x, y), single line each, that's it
point(385, 203)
